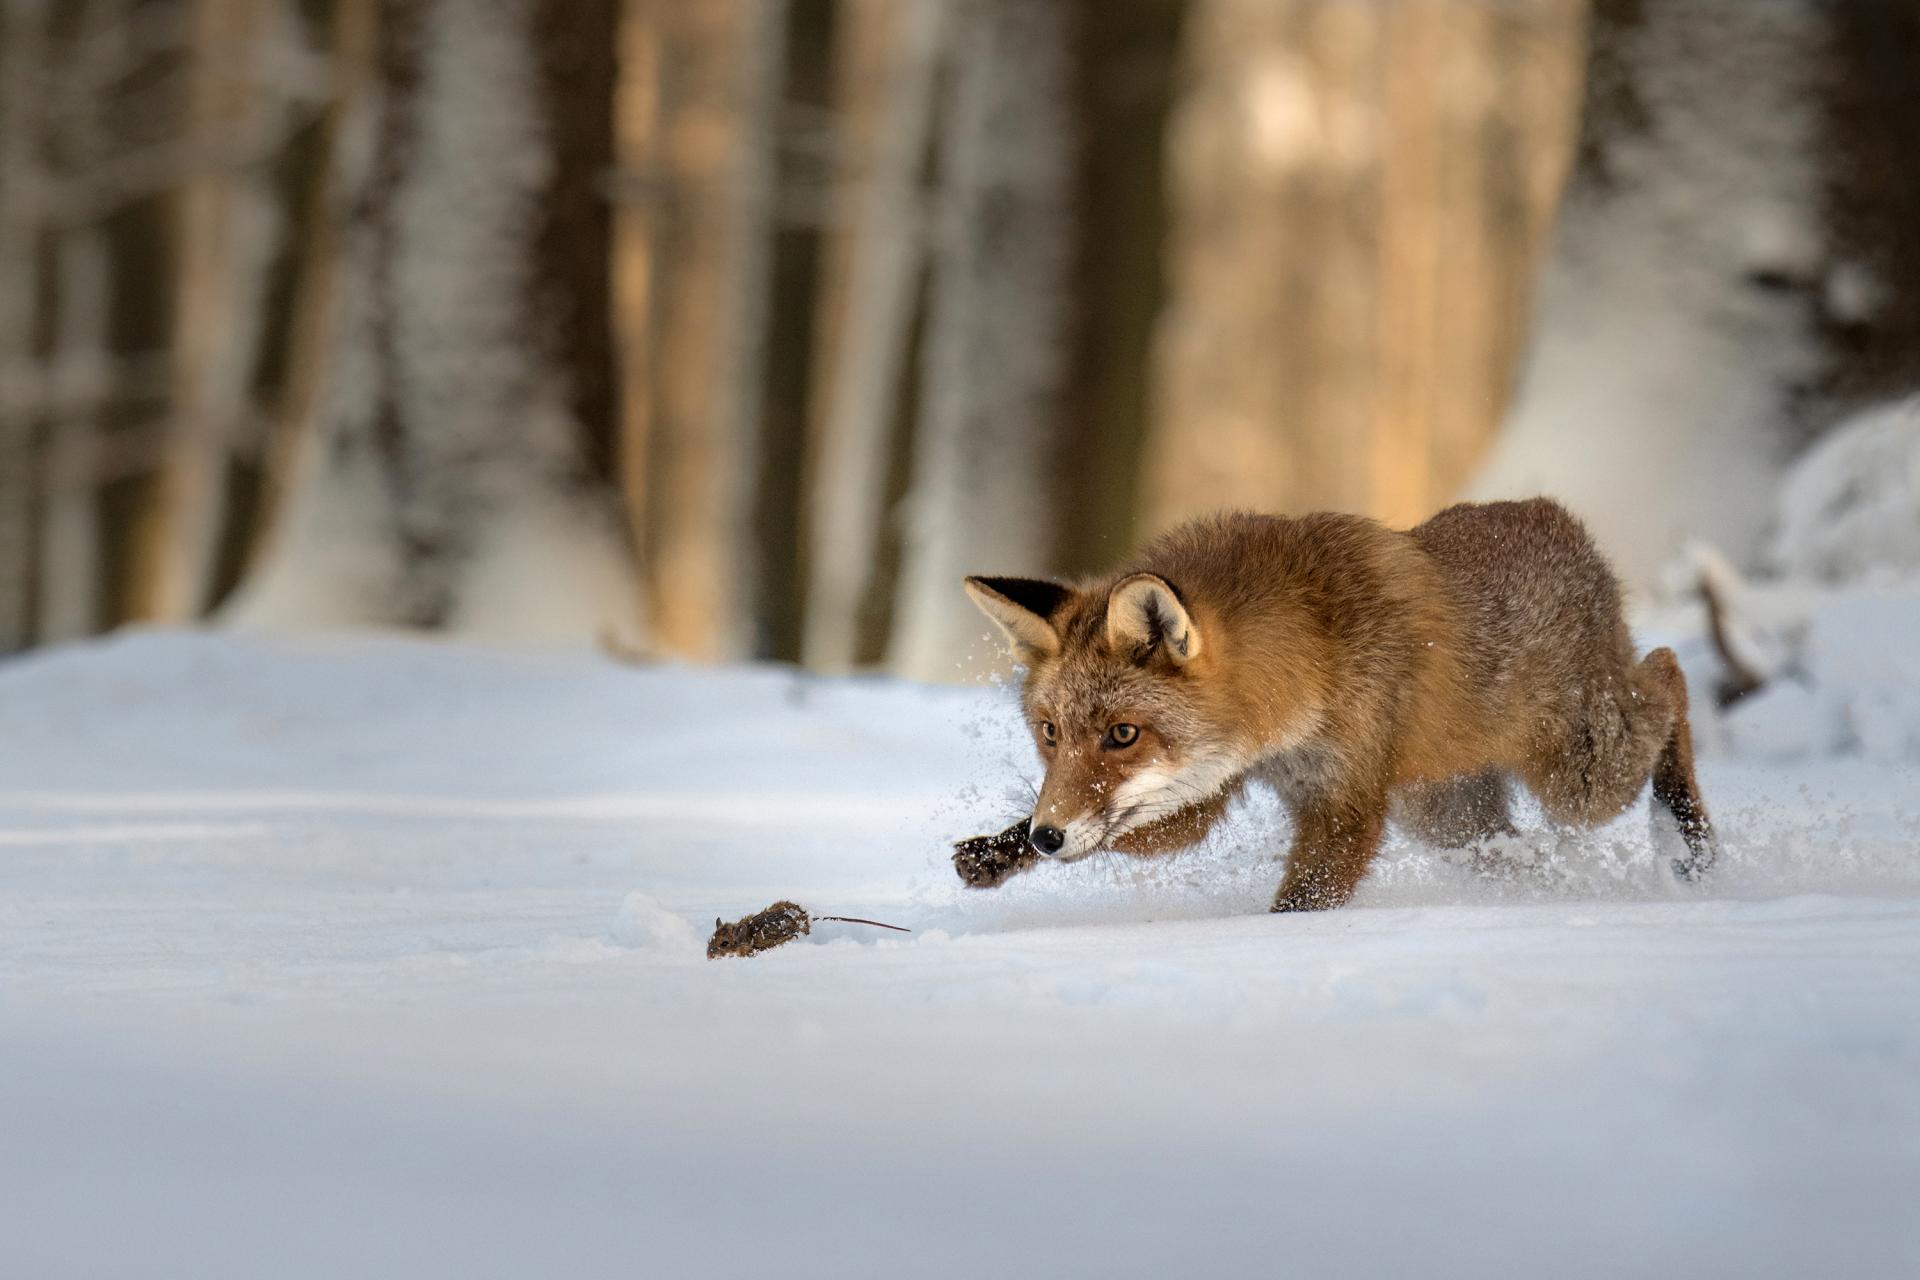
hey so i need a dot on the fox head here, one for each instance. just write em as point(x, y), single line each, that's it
point(1121, 703)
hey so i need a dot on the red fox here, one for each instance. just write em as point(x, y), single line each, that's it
point(1361, 670)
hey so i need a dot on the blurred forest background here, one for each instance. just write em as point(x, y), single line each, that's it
point(733, 329)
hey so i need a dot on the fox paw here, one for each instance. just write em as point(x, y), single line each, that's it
point(986, 861)
point(1306, 898)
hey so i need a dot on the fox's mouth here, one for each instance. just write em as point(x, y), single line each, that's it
point(1092, 832)
point(1148, 796)
point(1119, 824)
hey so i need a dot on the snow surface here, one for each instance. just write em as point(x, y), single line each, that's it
point(370, 957)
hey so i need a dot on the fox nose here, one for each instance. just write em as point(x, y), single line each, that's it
point(1047, 840)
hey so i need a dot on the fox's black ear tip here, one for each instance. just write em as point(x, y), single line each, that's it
point(1033, 595)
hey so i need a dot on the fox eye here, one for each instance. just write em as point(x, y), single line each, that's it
point(1048, 732)
point(1123, 735)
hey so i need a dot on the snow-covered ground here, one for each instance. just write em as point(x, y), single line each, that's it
point(371, 957)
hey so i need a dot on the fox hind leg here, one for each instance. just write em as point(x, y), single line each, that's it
point(1455, 813)
point(1633, 728)
point(1675, 788)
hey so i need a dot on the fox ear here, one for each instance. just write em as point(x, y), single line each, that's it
point(1145, 611)
point(1022, 607)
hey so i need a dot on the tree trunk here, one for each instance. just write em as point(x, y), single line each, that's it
point(22, 39)
point(782, 169)
point(985, 495)
point(1126, 61)
point(694, 538)
point(1356, 202)
point(463, 473)
point(98, 51)
point(1871, 124)
point(224, 233)
point(1479, 102)
point(80, 362)
point(350, 40)
point(876, 294)
point(1674, 329)
point(636, 217)
point(70, 559)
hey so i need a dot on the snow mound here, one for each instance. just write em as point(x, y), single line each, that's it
point(1852, 686)
point(1850, 506)
point(644, 923)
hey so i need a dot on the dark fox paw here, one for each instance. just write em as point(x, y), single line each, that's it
point(986, 861)
point(1308, 897)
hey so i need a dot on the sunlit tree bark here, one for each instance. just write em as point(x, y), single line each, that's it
point(224, 227)
point(690, 461)
point(1358, 192)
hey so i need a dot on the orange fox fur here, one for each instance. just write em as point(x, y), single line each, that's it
point(1361, 670)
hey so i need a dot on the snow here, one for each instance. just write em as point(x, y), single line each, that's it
point(370, 956)
point(1850, 505)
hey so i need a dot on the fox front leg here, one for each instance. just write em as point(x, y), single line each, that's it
point(986, 861)
point(1333, 844)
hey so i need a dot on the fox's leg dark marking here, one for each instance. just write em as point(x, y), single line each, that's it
point(1175, 831)
point(1457, 812)
point(1675, 788)
point(1333, 844)
point(985, 861)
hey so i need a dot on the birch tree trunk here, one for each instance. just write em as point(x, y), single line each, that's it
point(1673, 326)
point(879, 278)
point(462, 475)
point(779, 192)
point(984, 492)
point(350, 41)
